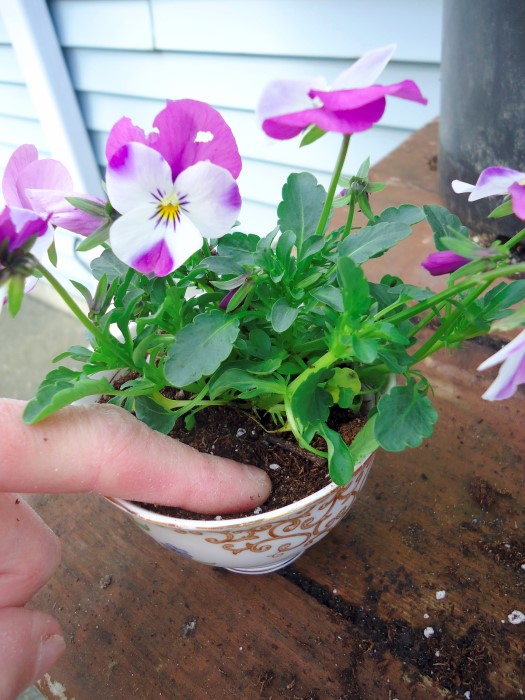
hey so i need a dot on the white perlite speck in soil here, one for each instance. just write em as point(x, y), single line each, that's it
point(240, 433)
point(440, 595)
point(428, 632)
point(274, 466)
point(516, 617)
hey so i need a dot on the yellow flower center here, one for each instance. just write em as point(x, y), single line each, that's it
point(168, 209)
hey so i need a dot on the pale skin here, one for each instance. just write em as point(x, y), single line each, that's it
point(100, 449)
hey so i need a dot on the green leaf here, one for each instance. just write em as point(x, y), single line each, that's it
point(504, 209)
point(60, 388)
point(444, 224)
point(108, 264)
point(284, 247)
point(310, 402)
point(88, 206)
point(240, 246)
point(52, 253)
point(497, 302)
point(222, 265)
point(241, 380)
point(96, 238)
point(155, 416)
point(311, 246)
point(464, 247)
point(373, 241)
point(365, 442)
point(365, 349)
point(354, 288)
point(363, 169)
point(331, 296)
point(405, 416)
point(15, 294)
point(343, 386)
point(282, 315)
point(84, 291)
point(301, 207)
point(340, 461)
point(199, 348)
point(405, 214)
point(314, 133)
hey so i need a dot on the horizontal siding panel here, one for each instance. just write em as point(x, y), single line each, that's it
point(9, 69)
point(14, 132)
point(227, 81)
point(112, 24)
point(292, 28)
point(16, 101)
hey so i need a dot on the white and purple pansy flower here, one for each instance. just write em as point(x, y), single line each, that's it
point(512, 370)
point(497, 181)
point(352, 104)
point(17, 227)
point(172, 188)
point(41, 186)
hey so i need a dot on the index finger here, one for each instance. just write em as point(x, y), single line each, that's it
point(103, 448)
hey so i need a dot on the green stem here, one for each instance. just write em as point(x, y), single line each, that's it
point(174, 403)
point(333, 185)
point(294, 428)
point(77, 311)
point(514, 240)
point(427, 348)
point(349, 218)
point(489, 277)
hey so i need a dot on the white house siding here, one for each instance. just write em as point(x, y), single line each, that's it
point(126, 57)
point(18, 118)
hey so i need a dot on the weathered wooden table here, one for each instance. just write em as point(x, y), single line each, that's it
point(408, 598)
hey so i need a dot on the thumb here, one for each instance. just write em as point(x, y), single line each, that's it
point(30, 643)
point(103, 448)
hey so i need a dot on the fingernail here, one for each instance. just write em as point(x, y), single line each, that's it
point(50, 651)
point(262, 479)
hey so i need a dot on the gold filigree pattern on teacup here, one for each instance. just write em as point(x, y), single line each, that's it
point(299, 532)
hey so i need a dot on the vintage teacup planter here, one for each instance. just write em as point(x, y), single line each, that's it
point(256, 544)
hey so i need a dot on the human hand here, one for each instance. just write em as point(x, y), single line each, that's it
point(97, 448)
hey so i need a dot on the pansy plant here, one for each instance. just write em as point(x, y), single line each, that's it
point(285, 325)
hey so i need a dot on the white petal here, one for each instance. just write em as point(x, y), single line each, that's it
point(366, 70)
point(137, 175)
point(287, 96)
point(505, 384)
point(209, 195)
point(459, 187)
point(516, 346)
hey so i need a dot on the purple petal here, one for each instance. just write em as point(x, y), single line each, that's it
point(192, 131)
point(20, 159)
point(338, 100)
point(62, 213)
point(223, 304)
point(47, 174)
point(517, 192)
point(156, 260)
point(18, 225)
point(493, 181)
point(443, 262)
point(352, 121)
point(123, 132)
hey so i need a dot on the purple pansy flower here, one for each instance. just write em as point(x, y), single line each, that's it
point(172, 188)
point(512, 371)
point(41, 186)
point(443, 262)
point(495, 181)
point(353, 103)
point(17, 226)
